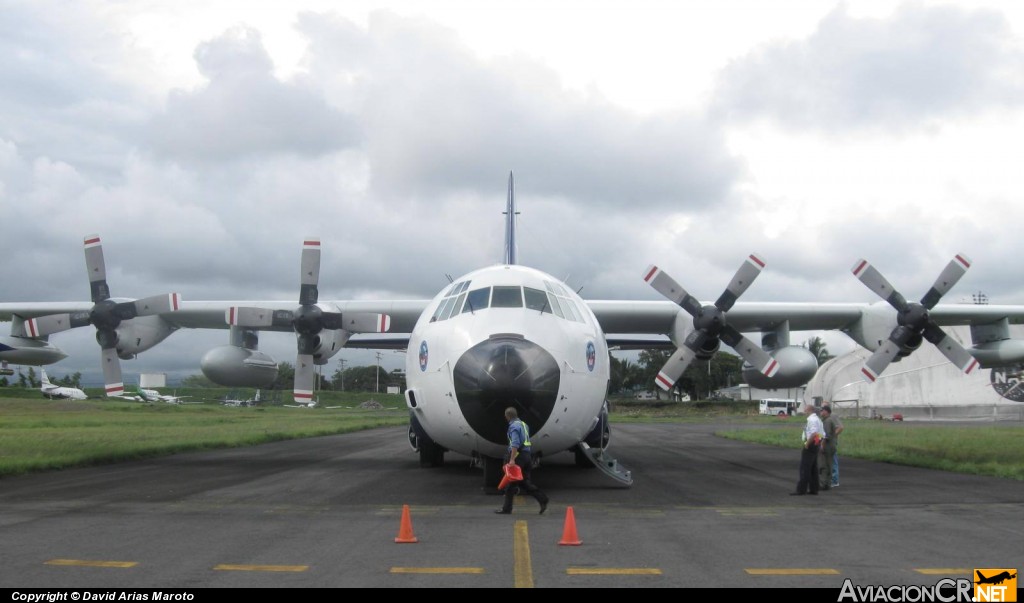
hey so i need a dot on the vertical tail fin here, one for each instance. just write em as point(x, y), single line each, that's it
point(44, 380)
point(510, 222)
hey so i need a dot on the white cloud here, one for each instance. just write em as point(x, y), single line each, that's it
point(923, 64)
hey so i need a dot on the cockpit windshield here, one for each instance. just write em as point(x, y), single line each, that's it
point(555, 300)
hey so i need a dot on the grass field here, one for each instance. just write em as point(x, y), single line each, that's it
point(37, 434)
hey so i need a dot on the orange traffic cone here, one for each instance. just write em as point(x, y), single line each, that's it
point(569, 537)
point(405, 534)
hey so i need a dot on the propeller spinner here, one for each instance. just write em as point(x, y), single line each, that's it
point(709, 322)
point(106, 315)
point(913, 319)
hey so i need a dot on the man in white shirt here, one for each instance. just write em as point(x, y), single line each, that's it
point(813, 434)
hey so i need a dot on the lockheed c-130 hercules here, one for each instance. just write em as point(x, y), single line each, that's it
point(509, 335)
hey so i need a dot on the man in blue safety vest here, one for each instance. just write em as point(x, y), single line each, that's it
point(519, 453)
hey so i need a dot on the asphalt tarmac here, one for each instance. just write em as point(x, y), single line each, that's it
point(324, 512)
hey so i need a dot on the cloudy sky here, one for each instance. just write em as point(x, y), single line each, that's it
point(204, 140)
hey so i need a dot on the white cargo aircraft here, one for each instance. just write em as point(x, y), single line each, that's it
point(58, 392)
point(508, 335)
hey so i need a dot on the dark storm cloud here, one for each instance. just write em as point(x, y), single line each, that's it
point(244, 110)
point(922, 63)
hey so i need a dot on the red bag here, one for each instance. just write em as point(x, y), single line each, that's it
point(513, 473)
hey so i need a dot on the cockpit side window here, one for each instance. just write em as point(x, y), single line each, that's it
point(478, 299)
point(456, 306)
point(507, 297)
point(537, 300)
point(562, 303)
point(448, 306)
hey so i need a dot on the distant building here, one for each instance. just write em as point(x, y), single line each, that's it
point(745, 392)
point(150, 380)
point(923, 385)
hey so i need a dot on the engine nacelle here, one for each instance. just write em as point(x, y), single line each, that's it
point(141, 333)
point(874, 326)
point(233, 366)
point(329, 343)
point(25, 350)
point(999, 353)
point(797, 366)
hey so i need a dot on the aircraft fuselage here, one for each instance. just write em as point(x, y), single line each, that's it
point(506, 336)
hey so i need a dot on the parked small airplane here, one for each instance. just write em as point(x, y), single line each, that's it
point(58, 392)
point(230, 400)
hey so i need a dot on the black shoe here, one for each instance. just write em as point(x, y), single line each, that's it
point(502, 512)
point(543, 507)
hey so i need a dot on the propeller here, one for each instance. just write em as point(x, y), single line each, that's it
point(913, 319)
point(106, 315)
point(709, 322)
point(308, 320)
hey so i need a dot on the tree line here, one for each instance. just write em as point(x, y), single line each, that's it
point(31, 380)
point(351, 379)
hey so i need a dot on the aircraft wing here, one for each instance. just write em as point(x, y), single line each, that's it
point(210, 314)
point(36, 309)
point(657, 317)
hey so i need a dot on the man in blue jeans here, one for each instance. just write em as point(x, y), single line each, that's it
point(519, 453)
point(833, 427)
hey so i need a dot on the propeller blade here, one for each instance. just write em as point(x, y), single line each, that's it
point(874, 280)
point(157, 304)
point(746, 274)
point(667, 286)
point(878, 361)
point(112, 373)
point(96, 268)
point(257, 318)
point(304, 377)
point(675, 367)
point(55, 323)
point(310, 277)
point(358, 322)
point(949, 277)
point(750, 351)
point(950, 348)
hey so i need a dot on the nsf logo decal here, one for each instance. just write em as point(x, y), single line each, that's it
point(591, 356)
point(423, 355)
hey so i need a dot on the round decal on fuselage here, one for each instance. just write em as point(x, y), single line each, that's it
point(423, 355)
point(591, 356)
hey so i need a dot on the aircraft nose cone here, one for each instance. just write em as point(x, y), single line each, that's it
point(505, 370)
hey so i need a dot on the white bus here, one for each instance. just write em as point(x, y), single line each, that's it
point(782, 408)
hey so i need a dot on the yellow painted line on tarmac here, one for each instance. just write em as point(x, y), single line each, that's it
point(521, 551)
point(261, 568)
point(792, 571)
point(437, 570)
point(413, 510)
point(748, 512)
point(86, 563)
point(940, 571)
point(613, 571)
